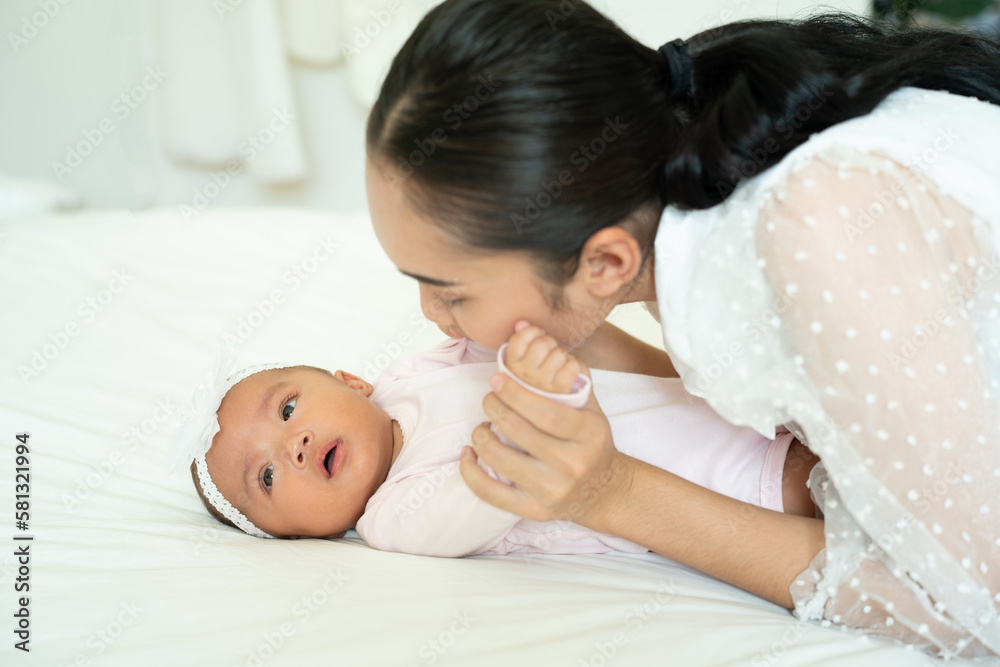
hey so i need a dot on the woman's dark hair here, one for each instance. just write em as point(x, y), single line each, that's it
point(531, 124)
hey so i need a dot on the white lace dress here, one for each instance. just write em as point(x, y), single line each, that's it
point(852, 293)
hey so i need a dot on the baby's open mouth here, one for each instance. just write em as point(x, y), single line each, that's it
point(328, 461)
point(327, 458)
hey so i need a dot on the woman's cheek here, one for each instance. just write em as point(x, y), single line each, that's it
point(484, 330)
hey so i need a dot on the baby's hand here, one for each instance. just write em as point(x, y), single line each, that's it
point(536, 358)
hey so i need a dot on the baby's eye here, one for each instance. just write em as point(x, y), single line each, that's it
point(287, 409)
point(267, 476)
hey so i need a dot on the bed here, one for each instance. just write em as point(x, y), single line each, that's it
point(110, 319)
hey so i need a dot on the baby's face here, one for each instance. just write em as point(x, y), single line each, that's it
point(300, 452)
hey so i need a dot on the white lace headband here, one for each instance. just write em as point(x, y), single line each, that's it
point(193, 438)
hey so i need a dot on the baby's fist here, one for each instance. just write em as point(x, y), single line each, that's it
point(536, 358)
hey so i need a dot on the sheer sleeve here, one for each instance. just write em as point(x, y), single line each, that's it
point(892, 323)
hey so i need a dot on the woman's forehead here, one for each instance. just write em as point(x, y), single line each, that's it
point(425, 251)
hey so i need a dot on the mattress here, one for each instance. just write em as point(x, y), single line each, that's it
point(110, 319)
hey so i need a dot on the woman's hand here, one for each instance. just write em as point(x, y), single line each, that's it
point(569, 469)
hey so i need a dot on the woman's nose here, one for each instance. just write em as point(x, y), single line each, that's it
point(433, 309)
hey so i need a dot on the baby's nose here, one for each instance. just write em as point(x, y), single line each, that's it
point(300, 447)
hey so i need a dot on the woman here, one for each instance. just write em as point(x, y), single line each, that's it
point(823, 199)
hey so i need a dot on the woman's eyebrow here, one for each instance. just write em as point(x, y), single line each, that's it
point(431, 281)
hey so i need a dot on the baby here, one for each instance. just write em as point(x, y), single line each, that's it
point(302, 452)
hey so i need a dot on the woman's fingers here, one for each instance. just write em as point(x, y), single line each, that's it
point(516, 429)
point(567, 466)
point(509, 463)
point(544, 490)
point(493, 491)
point(520, 467)
point(511, 405)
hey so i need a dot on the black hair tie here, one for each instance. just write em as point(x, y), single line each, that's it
point(679, 62)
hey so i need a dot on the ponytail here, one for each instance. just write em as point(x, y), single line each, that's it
point(762, 88)
point(529, 125)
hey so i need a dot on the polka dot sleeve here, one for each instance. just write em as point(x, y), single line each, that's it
point(891, 320)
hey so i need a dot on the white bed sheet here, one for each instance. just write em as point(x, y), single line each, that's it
point(127, 568)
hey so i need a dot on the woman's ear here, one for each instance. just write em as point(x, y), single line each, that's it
point(610, 259)
point(355, 383)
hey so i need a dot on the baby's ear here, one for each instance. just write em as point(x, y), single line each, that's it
point(355, 383)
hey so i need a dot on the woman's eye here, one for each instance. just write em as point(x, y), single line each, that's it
point(267, 476)
point(449, 303)
point(288, 409)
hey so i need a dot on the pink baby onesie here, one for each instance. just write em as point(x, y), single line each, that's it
point(424, 506)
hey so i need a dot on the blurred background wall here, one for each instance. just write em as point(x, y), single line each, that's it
point(138, 103)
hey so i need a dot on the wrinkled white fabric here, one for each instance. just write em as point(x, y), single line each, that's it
point(852, 291)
